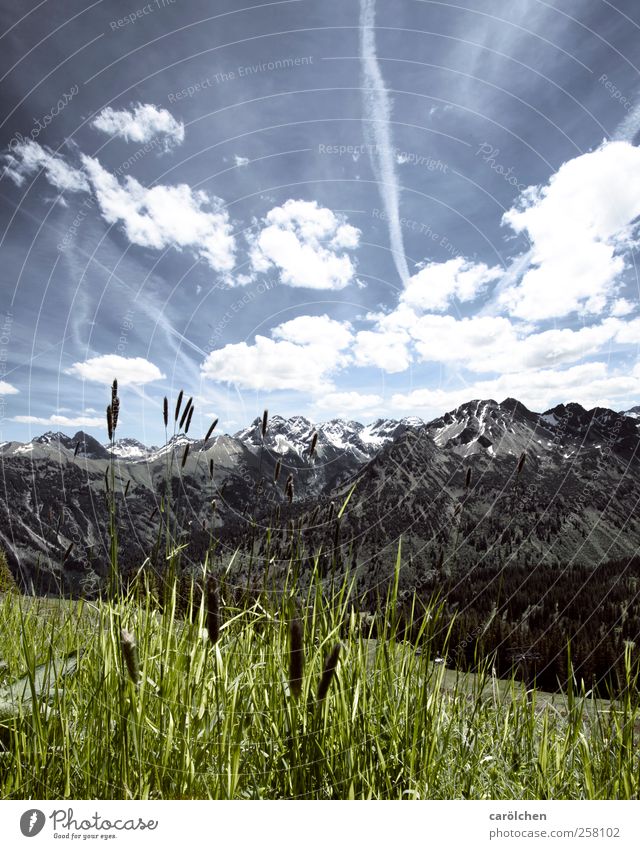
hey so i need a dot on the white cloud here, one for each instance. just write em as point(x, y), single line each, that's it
point(128, 371)
point(438, 283)
point(308, 350)
point(589, 384)
point(62, 421)
point(7, 388)
point(622, 307)
point(481, 343)
point(577, 224)
point(141, 124)
point(165, 216)
point(486, 343)
point(320, 331)
point(349, 402)
point(28, 157)
point(628, 332)
point(306, 243)
point(384, 349)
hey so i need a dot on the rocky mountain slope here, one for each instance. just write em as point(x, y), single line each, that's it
point(494, 484)
point(486, 483)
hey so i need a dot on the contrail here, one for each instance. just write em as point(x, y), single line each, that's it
point(629, 127)
point(377, 112)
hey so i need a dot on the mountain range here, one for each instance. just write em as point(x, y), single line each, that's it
point(485, 483)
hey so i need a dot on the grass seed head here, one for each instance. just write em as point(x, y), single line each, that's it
point(184, 455)
point(110, 422)
point(265, 420)
point(328, 672)
point(276, 471)
point(211, 429)
point(165, 411)
point(115, 406)
point(521, 462)
point(289, 488)
point(178, 405)
point(296, 657)
point(314, 442)
point(130, 653)
point(189, 417)
point(185, 412)
point(213, 609)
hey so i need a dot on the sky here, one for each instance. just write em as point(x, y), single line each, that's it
point(347, 208)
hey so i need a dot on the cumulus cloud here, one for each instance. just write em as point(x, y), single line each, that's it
point(436, 284)
point(307, 245)
point(302, 356)
point(141, 124)
point(315, 330)
point(62, 421)
point(349, 402)
point(578, 225)
point(481, 343)
point(158, 217)
point(128, 371)
point(621, 307)
point(384, 349)
point(7, 388)
point(28, 157)
point(589, 384)
point(165, 216)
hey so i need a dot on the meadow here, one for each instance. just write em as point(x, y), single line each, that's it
point(120, 699)
point(195, 686)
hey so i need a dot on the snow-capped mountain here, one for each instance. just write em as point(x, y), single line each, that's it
point(510, 428)
point(581, 472)
point(633, 413)
point(294, 436)
point(495, 482)
point(82, 445)
point(130, 449)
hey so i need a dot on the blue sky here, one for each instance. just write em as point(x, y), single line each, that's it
point(348, 208)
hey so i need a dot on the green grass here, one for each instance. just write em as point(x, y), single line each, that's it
point(219, 721)
point(201, 706)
